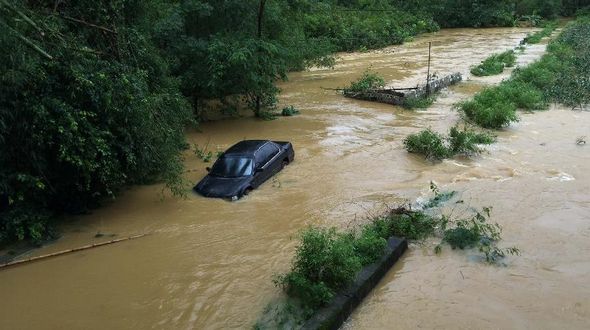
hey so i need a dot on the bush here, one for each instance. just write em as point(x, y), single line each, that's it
point(562, 75)
point(419, 102)
point(25, 223)
point(412, 225)
point(370, 244)
point(523, 95)
point(495, 64)
point(428, 143)
point(490, 109)
point(368, 81)
point(466, 141)
point(325, 261)
point(81, 117)
point(536, 37)
point(289, 111)
point(435, 146)
point(477, 232)
point(540, 74)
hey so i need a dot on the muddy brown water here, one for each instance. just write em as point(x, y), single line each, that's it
point(208, 263)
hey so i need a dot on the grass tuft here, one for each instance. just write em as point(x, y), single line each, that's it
point(490, 109)
point(419, 102)
point(428, 143)
point(368, 81)
point(494, 64)
point(435, 146)
point(562, 75)
point(536, 37)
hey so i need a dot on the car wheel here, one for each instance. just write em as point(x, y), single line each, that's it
point(247, 191)
point(284, 163)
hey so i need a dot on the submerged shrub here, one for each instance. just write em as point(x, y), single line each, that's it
point(495, 64)
point(523, 95)
point(490, 109)
point(436, 146)
point(289, 111)
point(419, 102)
point(370, 244)
point(466, 141)
point(477, 232)
point(412, 225)
point(369, 80)
point(428, 143)
point(325, 261)
point(312, 294)
point(536, 37)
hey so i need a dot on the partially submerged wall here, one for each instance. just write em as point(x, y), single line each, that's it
point(396, 97)
point(333, 315)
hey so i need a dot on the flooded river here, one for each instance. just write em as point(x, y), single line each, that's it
point(208, 264)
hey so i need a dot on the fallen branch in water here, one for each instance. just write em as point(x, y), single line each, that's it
point(85, 247)
point(380, 89)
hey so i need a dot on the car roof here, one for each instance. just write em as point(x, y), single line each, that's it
point(246, 147)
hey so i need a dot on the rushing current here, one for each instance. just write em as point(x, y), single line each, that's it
point(208, 263)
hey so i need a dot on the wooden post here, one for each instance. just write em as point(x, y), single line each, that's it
point(428, 72)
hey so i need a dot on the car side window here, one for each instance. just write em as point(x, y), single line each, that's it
point(266, 153)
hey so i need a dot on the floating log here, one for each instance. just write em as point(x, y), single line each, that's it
point(55, 254)
point(395, 97)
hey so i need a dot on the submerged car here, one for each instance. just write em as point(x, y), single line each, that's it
point(244, 167)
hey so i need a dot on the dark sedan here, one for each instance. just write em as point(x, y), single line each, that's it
point(244, 167)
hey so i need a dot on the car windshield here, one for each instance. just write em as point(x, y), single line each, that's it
point(232, 167)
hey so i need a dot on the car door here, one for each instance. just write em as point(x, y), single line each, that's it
point(268, 163)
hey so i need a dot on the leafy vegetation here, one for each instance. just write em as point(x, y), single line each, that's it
point(428, 143)
point(465, 141)
point(368, 81)
point(561, 75)
point(436, 146)
point(419, 102)
point(486, 13)
point(85, 109)
point(289, 111)
point(202, 153)
point(536, 37)
point(439, 197)
point(327, 260)
point(495, 64)
point(476, 232)
point(490, 109)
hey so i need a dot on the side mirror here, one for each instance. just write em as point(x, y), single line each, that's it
point(208, 169)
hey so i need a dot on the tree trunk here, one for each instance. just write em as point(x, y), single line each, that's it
point(259, 34)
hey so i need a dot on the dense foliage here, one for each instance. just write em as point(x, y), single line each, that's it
point(369, 80)
point(85, 109)
point(562, 75)
point(435, 146)
point(494, 64)
point(326, 261)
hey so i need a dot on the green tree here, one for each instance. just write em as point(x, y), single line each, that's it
point(86, 107)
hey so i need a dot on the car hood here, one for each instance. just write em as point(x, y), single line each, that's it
point(214, 186)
